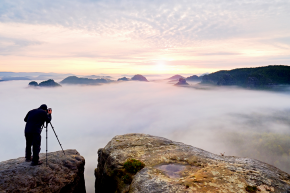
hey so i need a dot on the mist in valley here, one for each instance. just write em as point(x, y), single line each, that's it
point(233, 121)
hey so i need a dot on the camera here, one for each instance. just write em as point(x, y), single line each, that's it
point(49, 109)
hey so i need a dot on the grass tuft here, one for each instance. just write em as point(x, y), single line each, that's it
point(133, 166)
point(251, 189)
point(127, 179)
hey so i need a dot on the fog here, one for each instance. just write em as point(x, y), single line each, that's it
point(235, 121)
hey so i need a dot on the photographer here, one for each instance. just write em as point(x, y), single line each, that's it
point(35, 119)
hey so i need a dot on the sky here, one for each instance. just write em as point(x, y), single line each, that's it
point(142, 37)
point(234, 121)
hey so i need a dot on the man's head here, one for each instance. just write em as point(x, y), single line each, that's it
point(43, 107)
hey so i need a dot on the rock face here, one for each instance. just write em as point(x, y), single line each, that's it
point(175, 167)
point(64, 174)
point(139, 77)
point(181, 82)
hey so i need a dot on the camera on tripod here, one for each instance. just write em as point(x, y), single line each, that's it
point(49, 109)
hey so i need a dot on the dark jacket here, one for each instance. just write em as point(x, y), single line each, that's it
point(35, 119)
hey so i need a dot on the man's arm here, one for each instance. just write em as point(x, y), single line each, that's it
point(26, 117)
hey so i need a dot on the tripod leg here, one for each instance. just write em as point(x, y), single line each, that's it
point(46, 145)
point(56, 137)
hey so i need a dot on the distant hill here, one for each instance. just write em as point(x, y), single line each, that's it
point(84, 81)
point(260, 77)
point(194, 78)
point(96, 77)
point(33, 83)
point(31, 75)
point(47, 83)
point(181, 82)
point(175, 77)
point(139, 77)
point(123, 79)
point(7, 78)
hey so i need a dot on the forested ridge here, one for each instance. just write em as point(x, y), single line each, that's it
point(258, 77)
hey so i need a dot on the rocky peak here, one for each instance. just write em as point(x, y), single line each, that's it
point(175, 167)
point(139, 77)
point(181, 82)
point(47, 83)
point(33, 83)
point(63, 174)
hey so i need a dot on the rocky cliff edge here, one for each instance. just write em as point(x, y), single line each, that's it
point(64, 174)
point(175, 167)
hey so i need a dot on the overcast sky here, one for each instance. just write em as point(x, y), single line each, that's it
point(145, 36)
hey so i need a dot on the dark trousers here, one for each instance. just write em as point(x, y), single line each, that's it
point(34, 140)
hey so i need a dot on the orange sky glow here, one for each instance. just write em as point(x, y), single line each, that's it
point(175, 39)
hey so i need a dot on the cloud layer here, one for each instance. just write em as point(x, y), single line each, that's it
point(87, 117)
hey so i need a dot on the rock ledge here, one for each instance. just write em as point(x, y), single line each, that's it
point(63, 174)
point(175, 167)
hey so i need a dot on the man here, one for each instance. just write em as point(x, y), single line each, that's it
point(35, 119)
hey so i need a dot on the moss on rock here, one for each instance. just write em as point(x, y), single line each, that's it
point(133, 166)
point(251, 189)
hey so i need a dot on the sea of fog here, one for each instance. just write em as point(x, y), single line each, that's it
point(235, 121)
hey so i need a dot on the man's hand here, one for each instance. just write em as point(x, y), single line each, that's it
point(49, 111)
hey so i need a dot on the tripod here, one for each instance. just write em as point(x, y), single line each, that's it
point(56, 138)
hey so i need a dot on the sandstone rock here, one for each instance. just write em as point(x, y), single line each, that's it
point(64, 173)
point(175, 167)
point(33, 83)
point(139, 78)
point(181, 82)
point(49, 83)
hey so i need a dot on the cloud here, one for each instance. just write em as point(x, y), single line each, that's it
point(12, 45)
point(87, 117)
point(165, 23)
point(219, 53)
point(187, 36)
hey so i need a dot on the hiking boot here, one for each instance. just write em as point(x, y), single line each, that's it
point(28, 160)
point(35, 164)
